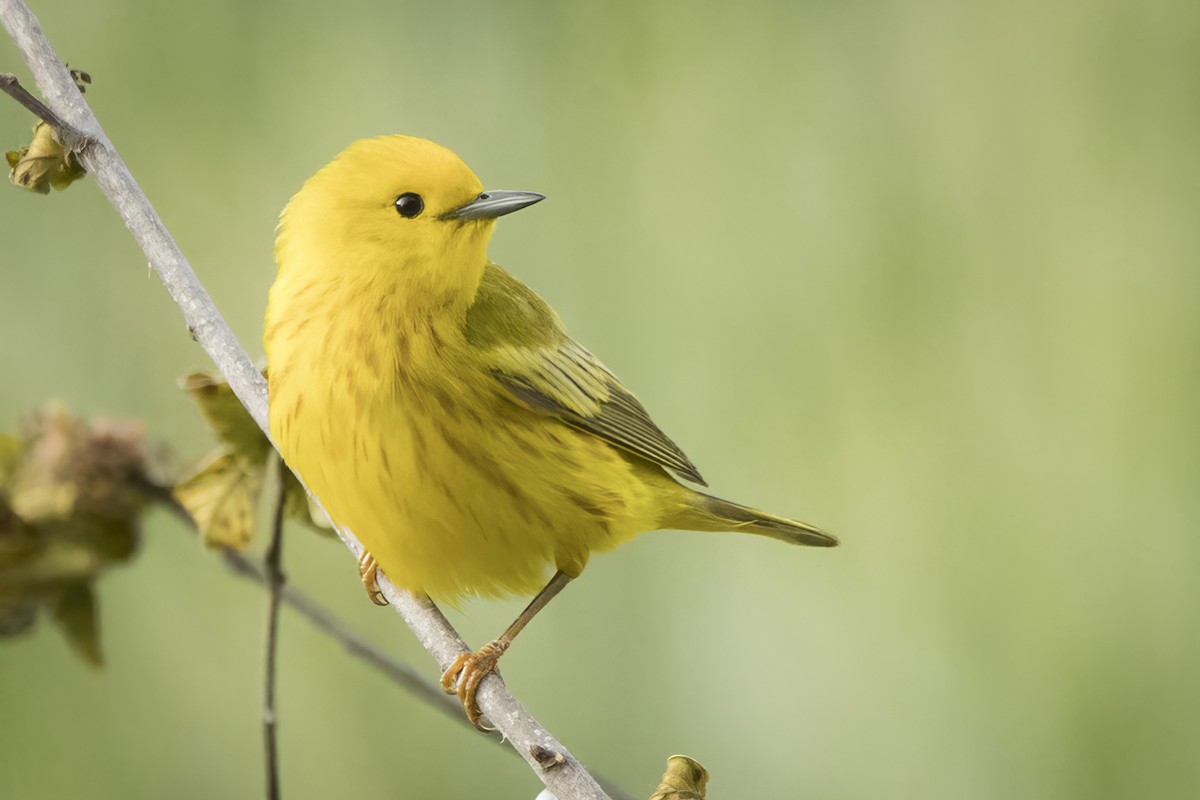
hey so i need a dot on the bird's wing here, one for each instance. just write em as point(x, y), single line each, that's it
point(523, 346)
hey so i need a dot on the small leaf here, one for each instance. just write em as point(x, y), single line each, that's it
point(246, 448)
point(75, 614)
point(226, 415)
point(684, 779)
point(220, 495)
point(298, 505)
point(46, 163)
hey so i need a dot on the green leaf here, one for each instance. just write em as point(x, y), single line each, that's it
point(299, 506)
point(221, 495)
point(44, 164)
point(684, 779)
point(75, 614)
point(226, 416)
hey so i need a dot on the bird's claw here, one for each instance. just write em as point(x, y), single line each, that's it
point(367, 572)
point(465, 674)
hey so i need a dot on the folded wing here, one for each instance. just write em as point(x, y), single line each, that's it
point(524, 347)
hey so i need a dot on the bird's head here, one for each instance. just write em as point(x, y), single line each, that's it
point(396, 206)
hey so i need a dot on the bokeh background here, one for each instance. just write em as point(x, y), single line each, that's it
point(924, 273)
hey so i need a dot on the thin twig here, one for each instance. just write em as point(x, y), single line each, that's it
point(66, 133)
point(567, 779)
point(275, 584)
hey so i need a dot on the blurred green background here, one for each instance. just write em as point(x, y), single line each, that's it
point(924, 273)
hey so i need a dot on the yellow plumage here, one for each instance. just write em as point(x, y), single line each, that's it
point(436, 405)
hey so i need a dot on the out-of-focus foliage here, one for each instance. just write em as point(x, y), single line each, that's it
point(71, 494)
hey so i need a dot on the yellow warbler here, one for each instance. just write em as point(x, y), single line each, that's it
point(439, 410)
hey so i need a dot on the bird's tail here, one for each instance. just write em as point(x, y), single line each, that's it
point(707, 513)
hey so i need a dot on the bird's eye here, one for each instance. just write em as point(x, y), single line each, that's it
point(409, 205)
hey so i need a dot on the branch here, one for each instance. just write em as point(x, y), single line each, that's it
point(565, 777)
point(275, 584)
point(11, 87)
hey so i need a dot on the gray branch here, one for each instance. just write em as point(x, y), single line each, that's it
point(560, 771)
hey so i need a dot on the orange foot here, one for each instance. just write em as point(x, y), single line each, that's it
point(367, 568)
point(466, 672)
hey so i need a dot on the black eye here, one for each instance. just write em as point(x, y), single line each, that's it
point(409, 205)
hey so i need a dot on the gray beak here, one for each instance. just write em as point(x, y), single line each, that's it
point(490, 205)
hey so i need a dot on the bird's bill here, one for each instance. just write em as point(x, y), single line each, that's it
point(490, 205)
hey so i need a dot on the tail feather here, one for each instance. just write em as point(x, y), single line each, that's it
point(709, 513)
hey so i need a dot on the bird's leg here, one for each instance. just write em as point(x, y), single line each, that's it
point(464, 675)
point(367, 569)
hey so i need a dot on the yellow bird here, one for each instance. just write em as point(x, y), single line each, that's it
point(438, 408)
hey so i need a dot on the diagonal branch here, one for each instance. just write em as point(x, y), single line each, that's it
point(566, 778)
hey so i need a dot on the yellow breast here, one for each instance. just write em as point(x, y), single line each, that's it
point(450, 484)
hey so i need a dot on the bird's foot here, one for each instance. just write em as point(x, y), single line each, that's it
point(464, 675)
point(367, 571)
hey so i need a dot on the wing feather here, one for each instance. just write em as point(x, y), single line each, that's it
point(526, 349)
